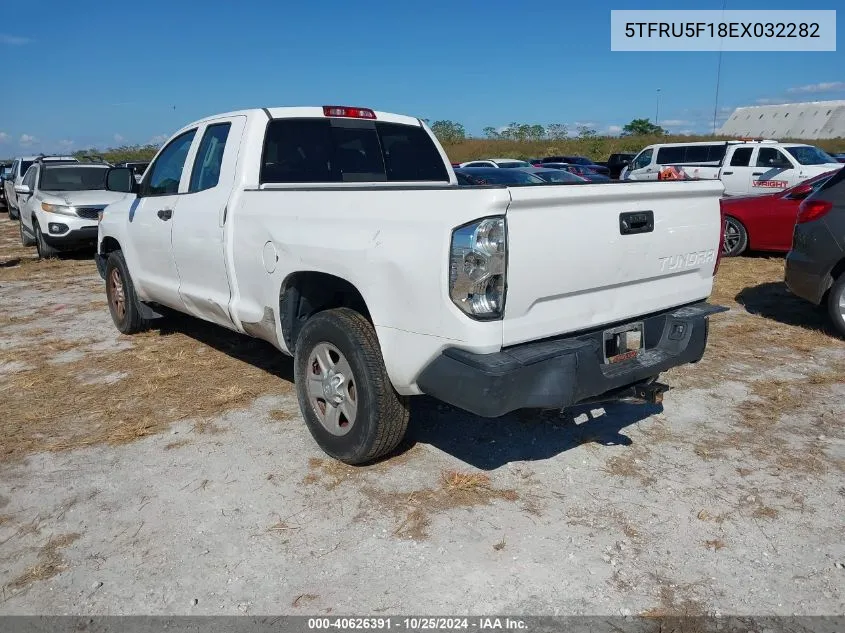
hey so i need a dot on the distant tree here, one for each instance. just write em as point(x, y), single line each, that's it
point(536, 132)
point(642, 127)
point(491, 132)
point(448, 131)
point(585, 131)
point(556, 131)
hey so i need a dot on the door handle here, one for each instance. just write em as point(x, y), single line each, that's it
point(757, 173)
point(165, 214)
point(727, 173)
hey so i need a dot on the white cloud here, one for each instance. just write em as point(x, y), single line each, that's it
point(614, 129)
point(66, 144)
point(687, 132)
point(4, 138)
point(26, 140)
point(768, 101)
point(825, 86)
point(158, 139)
point(13, 40)
point(118, 138)
point(674, 122)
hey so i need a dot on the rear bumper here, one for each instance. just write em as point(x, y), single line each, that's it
point(814, 253)
point(561, 372)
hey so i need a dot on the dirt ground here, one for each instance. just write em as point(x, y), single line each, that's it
point(171, 473)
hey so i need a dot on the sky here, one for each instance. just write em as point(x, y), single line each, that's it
point(97, 73)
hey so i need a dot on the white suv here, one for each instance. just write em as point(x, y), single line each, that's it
point(15, 176)
point(60, 203)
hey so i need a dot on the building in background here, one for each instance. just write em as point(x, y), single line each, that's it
point(811, 120)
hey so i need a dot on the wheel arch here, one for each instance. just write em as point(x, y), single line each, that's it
point(307, 292)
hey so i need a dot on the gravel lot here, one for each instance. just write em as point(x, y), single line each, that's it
point(171, 473)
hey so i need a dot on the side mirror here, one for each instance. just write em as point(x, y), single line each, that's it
point(23, 190)
point(122, 180)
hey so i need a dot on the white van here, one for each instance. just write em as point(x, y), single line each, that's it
point(744, 167)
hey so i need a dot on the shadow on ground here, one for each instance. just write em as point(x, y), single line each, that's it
point(774, 301)
point(238, 346)
point(524, 436)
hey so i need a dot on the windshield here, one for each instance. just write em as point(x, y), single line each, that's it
point(25, 164)
point(513, 164)
point(578, 160)
point(558, 175)
point(73, 178)
point(810, 155)
point(503, 177)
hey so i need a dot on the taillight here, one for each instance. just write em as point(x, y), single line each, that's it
point(351, 113)
point(812, 210)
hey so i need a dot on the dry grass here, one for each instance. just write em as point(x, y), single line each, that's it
point(170, 376)
point(598, 148)
point(50, 562)
point(715, 544)
point(631, 465)
point(415, 510)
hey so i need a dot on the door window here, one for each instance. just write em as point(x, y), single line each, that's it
point(772, 158)
point(643, 160)
point(206, 171)
point(166, 171)
point(741, 156)
point(29, 178)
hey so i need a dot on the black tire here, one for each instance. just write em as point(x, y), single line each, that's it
point(836, 304)
point(381, 414)
point(121, 297)
point(25, 239)
point(736, 236)
point(45, 251)
point(13, 212)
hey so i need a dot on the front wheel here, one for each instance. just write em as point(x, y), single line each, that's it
point(45, 251)
point(345, 395)
point(836, 304)
point(13, 212)
point(120, 293)
point(736, 238)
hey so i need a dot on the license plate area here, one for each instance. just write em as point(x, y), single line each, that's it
point(622, 343)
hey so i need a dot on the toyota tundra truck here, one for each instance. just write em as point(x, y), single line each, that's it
point(340, 235)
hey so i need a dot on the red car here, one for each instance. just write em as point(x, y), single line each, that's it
point(765, 223)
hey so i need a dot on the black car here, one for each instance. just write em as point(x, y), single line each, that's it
point(496, 176)
point(555, 176)
point(583, 171)
point(617, 162)
point(578, 160)
point(840, 157)
point(815, 267)
point(5, 168)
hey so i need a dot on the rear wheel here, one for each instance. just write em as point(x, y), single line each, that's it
point(736, 238)
point(120, 293)
point(345, 395)
point(45, 251)
point(836, 304)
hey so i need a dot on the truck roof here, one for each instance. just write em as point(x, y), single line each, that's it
point(302, 112)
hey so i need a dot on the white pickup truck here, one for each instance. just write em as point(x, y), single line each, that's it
point(746, 168)
point(340, 235)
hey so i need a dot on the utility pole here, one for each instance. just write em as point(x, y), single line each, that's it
point(657, 109)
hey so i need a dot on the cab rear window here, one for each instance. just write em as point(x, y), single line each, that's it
point(343, 150)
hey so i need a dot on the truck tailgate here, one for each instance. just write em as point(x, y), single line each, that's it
point(570, 267)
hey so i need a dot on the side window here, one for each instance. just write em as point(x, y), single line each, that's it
point(643, 160)
point(166, 172)
point(206, 171)
point(29, 177)
point(771, 157)
point(697, 154)
point(15, 166)
point(669, 155)
point(741, 156)
point(716, 152)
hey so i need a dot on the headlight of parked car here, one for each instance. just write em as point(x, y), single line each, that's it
point(58, 208)
point(478, 266)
